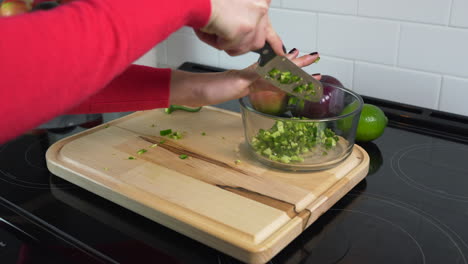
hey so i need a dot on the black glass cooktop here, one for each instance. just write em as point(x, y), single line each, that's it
point(411, 208)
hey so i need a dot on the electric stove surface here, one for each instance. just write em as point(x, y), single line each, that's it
point(411, 208)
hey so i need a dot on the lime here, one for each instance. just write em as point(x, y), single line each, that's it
point(372, 123)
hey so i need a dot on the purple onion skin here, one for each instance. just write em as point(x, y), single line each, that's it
point(331, 103)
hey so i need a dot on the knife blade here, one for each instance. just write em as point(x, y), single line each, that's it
point(287, 76)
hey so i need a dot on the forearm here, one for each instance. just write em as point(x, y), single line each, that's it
point(53, 60)
point(199, 89)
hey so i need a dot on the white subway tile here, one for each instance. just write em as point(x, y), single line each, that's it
point(338, 68)
point(296, 29)
point(459, 13)
point(182, 48)
point(237, 62)
point(333, 6)
point(358, 38)
point(185, 30)
point(435, 49)
point(275, 3)
point(453, 96)
point(161, 53)
point(395, 84)
point(427, 11)
point(148, 59)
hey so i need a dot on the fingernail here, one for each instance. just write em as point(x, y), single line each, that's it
point(316, 74)
point(292, 51)
point(313, 53)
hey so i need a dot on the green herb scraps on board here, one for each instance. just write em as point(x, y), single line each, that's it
point(171, 134)
point(131, 158)
point(288, 141)
point(165, 132)
point(183, 156)
point(141, 151)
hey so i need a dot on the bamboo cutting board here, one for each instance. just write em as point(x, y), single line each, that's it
point(245, 210)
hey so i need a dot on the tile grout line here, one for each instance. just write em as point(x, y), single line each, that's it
point(450, 13)
point(442, 79)
point(398, 43)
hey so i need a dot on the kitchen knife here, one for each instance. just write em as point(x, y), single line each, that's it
point(287, 76)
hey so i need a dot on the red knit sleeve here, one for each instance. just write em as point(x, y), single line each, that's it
point(51, 61)
point(138, 88)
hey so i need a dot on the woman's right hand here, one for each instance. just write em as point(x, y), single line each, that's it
point(240, 26)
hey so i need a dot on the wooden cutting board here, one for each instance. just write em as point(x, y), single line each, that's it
point(246, 210)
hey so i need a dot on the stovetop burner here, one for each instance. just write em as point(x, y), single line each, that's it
point(27, 164)
point(438, 169)
point(411, 208)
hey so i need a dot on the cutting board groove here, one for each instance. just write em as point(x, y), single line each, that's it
point(246, 210)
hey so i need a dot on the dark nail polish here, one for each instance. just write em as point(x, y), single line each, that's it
point(291, 51)
point(316, 74)
point(313, 53)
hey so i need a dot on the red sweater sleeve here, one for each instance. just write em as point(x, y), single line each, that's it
point(138, 88)
point(52, 61)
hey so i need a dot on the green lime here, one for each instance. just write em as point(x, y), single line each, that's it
point(372, 123)
point(345, 124)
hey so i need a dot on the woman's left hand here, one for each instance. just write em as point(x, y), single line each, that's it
point(199, 89)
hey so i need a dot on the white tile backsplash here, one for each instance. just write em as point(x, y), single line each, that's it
point(398, 85)
point(459, 13)
point(427, 11)
point(275, 3)
point(453, 96)
point(358, 38)
point(331, 6)
point(297, 29)
point(434, 49)
point(148, 59)
point(237, 62)
point(181, 48)
point(392, 49)
point(338, 68)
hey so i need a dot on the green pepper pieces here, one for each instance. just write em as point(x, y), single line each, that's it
point(173, 108)
point(287, 141)
point(286, 77)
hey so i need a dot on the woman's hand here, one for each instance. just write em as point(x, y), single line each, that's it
point(240, 26)
point(199, 89)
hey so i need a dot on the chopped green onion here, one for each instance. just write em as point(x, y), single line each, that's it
point(183, 156)
point(237, 161)
point(154, 145)
point(131, 158)
point(203, 134)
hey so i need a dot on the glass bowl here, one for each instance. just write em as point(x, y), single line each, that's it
point(302, 136)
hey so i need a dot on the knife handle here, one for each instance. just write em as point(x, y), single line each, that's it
point(266, 54)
